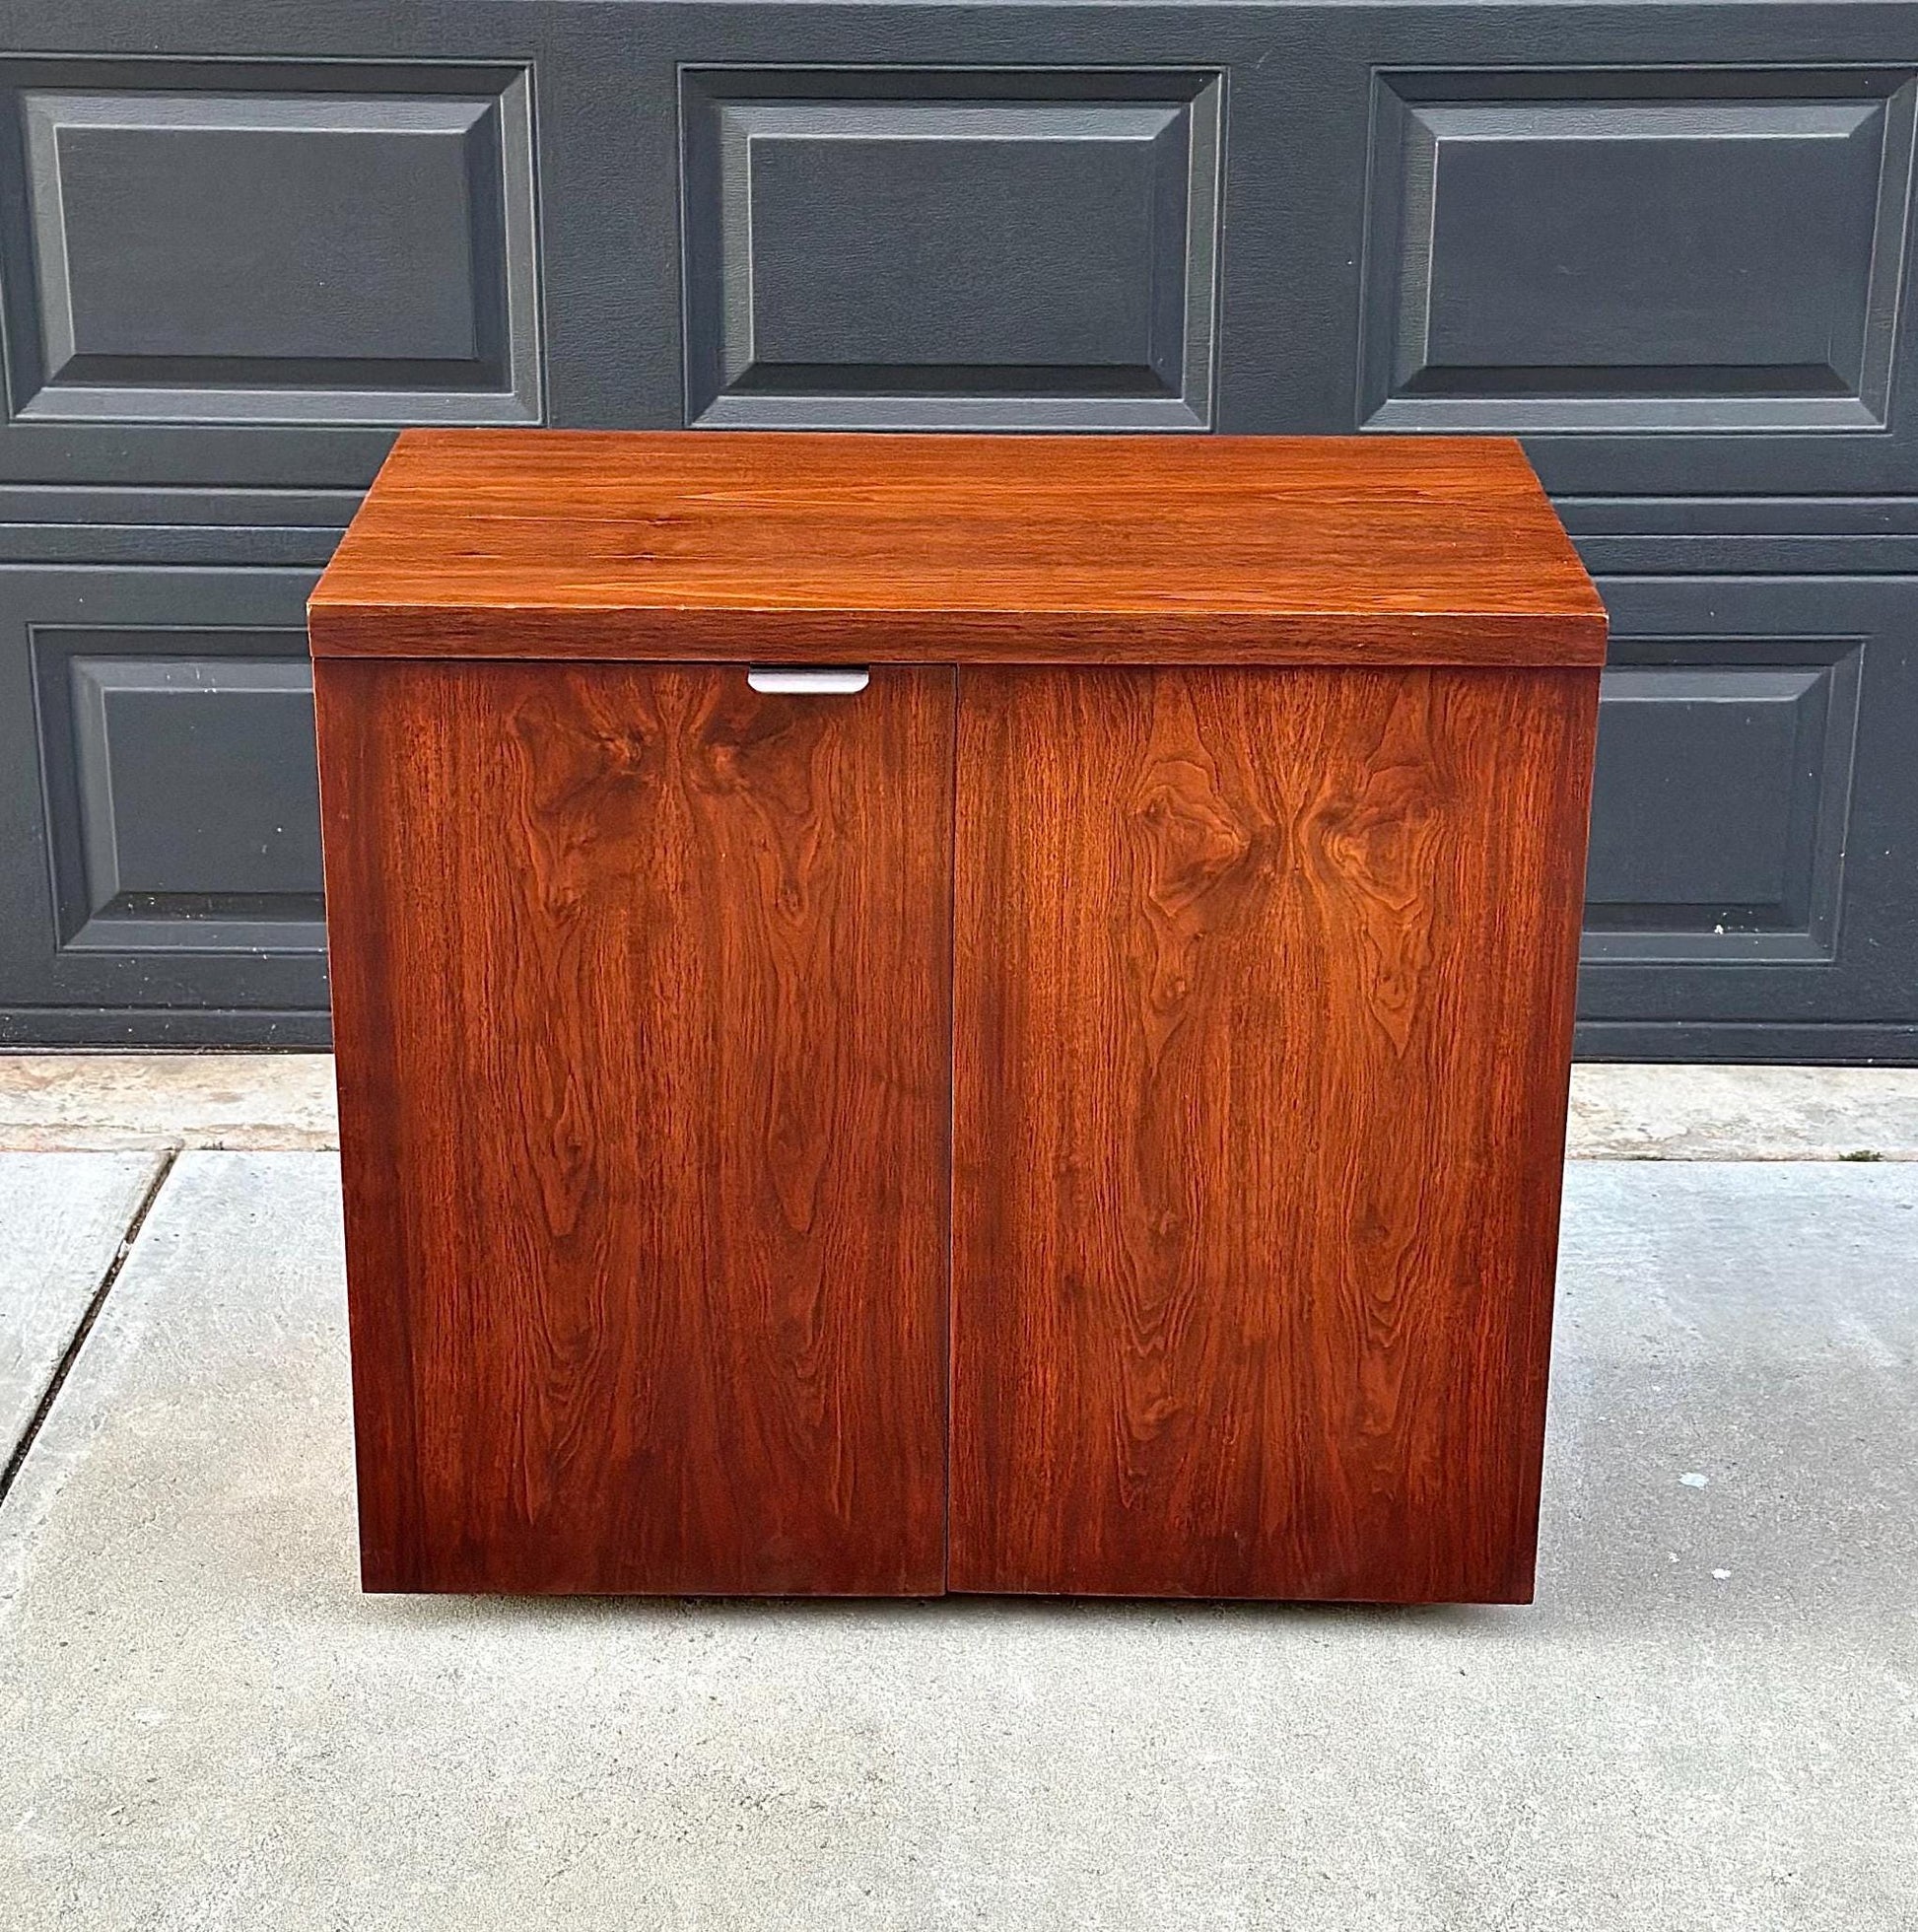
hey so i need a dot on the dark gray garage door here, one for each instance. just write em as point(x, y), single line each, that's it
point(1666, 245)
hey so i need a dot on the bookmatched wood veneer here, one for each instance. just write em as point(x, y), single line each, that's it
point(1123, 1047)
point(1262, 1043)
point(639, 993)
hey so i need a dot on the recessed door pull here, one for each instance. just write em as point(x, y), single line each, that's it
point(814, 680)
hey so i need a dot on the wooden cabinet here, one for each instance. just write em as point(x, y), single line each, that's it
point(1080, 1112)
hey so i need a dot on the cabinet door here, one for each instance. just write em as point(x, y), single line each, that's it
point(1263, 1007)
point(641, 981)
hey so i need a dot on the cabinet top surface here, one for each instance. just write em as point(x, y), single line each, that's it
point(553, 543)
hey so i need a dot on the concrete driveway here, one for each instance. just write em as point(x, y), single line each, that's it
point(1709, 1719)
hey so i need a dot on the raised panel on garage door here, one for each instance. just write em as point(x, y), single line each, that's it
point(1750, 852)
point(160, 851)
point(950, 249)
point(1662, 278)
point(315, 249)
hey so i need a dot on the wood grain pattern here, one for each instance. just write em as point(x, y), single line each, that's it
point(1262, 1016)
point(1045, 549)
point(641, 995)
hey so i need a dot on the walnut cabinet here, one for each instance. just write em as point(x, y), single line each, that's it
point(953, 1012)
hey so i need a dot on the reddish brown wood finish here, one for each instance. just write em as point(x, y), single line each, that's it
point(641, 994)
point(1263, 1016)
point(1271, 763)
point(1208, 550)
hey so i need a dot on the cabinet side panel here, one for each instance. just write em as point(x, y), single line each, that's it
point(641, 993)
point(1262, 1009)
